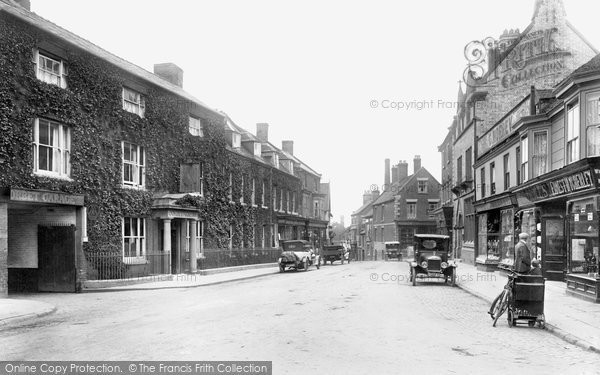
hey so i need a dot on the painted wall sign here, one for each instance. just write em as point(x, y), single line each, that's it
point(503, 129)
point(539, 54)
point(560, 186)
point(50, 197)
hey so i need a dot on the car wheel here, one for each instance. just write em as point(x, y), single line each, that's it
point(282, 269)
point(511, 320)
point(342, 260)
point(453, 277)
point(413, 275)
point(531, 323)
point(306, 265)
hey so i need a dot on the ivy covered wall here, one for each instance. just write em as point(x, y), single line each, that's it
point(91, 106)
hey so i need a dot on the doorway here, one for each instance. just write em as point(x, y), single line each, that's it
point(554, 253)
point(56, 258)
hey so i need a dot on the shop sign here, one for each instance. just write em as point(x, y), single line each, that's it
point(503, 129)
point(560, 186)
point(37, 196)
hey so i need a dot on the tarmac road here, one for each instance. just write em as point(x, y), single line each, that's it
point(358, 318)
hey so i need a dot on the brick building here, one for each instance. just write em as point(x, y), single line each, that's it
point(406, 206)
point(544, 54)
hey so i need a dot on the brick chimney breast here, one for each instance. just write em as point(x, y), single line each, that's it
point(288, 146)
point(402, 170)
point(395, 174)
point(386, 179)
point(24, 4)
point(170, 72)
point(417, 163)
point(262, 132)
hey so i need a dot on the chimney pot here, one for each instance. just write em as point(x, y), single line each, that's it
point(169, 72)
point(395, 174)
point(262, 132)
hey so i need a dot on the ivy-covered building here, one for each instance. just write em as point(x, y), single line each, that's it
point(110, 171)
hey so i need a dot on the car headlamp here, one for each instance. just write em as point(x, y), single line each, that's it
point(424, 264)
point(444, 265)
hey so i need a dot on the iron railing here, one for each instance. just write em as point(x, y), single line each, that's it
point(219, 258)
point(111, 266)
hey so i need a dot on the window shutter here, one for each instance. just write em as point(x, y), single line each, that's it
point(190, 178)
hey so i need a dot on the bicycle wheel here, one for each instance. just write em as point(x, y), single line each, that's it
point(494, 305)
point(501, 307)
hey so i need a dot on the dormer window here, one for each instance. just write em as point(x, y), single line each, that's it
point(133, 102)
point(51, 70)
point(257, 149)
point(195, 127)
point(276, 160)
point(236, 140)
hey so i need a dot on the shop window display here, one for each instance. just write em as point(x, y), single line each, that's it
point(507, 234)
point(583, 237)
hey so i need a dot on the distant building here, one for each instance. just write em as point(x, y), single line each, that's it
point(407, 207)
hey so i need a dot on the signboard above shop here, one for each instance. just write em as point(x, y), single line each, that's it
point(557, 187)
point(48, 197)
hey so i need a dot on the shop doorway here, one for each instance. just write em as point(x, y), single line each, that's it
point(56, 258)
point(554, 253)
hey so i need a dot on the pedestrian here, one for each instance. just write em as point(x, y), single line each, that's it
point(536, 270)
point(522, 255)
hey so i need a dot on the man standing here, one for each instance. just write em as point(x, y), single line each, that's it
point(522, 255)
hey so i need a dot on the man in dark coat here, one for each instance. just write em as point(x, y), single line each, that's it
point(522, 255)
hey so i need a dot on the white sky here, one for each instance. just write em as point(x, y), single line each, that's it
point(311, 68)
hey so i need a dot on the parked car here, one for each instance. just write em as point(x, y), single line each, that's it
point(392, 250)
point(297, 255)
point(334, 253)
point(432, 253)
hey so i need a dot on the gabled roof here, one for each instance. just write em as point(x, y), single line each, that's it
point(363, 209)
point(390, 194)
point(15, 10)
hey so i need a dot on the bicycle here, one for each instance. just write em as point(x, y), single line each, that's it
point(500, 304)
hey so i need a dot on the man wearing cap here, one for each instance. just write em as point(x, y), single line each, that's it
point(523, 258)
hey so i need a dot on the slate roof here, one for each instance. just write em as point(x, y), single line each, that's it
point(15, 10)
point(389, 195)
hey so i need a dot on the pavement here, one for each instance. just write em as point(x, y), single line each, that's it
point(573, 320)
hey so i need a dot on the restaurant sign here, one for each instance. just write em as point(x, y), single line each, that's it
point(559, 186)
point(50, 197)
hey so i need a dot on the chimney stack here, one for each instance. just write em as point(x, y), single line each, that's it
point(288, 146)
point(386, 182)
point(417, 163)
point(24, 4)
point(402, 170)
point(169, 72)
point(395, 174)
point(262, 132)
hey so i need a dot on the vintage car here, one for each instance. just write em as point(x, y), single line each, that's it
point(432, 259)
point(392, 250)
point(332, 253)
point(297, 255)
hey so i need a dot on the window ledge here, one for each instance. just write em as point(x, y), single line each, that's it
point(52, 176)
point(133, 187)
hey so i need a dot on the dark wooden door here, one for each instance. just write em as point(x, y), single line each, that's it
point(56, 259)
point(554, 251)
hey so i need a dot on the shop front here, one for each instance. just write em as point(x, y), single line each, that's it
point(562, 221)
point(43, 233)
point(496, 232)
